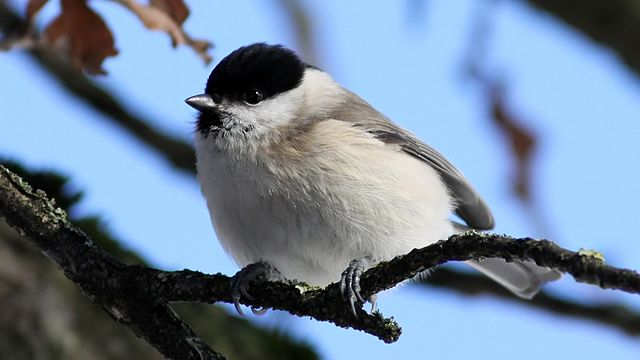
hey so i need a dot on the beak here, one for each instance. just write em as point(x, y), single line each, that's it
point(202, 102)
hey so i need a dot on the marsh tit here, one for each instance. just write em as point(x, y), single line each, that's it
point(304, 179)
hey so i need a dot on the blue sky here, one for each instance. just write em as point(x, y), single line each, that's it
point(576, 96)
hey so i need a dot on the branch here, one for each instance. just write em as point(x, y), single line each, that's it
point(585, 266)
point(136, 296)
point(89, 267)
point(612, 23)
point(177, 152)
point(211, 323)
point(615, 315)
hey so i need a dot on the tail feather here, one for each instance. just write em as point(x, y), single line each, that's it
point(522, 278)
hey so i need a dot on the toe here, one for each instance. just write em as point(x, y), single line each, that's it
point(352, 303)
point(343, 283)
point(350, 284)
point(241, 282)
point(244, 290)
point(355, 284)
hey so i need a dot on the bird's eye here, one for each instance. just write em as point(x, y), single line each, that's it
point(253, 97)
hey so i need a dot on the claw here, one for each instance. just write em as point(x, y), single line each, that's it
point(236, 304)
point(373, 300)
point(240, 282)
point(350, 284)
point(258, 311)
point(235, 293)
point(353, 307)
point(356, 283)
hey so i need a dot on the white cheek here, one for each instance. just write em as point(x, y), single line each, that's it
point(271, 113)
point(317, 94)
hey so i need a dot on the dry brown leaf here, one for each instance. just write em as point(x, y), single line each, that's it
point(176, 9)
point(83, 35)
point(156, 18)
point(33, 6)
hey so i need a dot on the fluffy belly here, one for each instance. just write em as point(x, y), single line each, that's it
point(311, 224)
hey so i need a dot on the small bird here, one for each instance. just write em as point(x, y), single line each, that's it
point(304, 179)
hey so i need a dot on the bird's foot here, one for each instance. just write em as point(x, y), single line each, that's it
point(241, 281)
point(350, 285)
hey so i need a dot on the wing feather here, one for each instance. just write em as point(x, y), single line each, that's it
point(469, 205)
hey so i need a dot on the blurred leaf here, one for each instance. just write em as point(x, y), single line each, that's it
point(167, 16)
point(33, 6)
point(82, 34)
point(522, 142)
point(176, 9)
point(85, 38)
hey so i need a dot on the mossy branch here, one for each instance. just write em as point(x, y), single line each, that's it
point(137, 296)
point(97, 273)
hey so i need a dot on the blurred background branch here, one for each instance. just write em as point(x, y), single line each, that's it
point(612, 23)
point(303, 28)
point(615, 315)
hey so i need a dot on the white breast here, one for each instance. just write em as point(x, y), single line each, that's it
point(312, 211)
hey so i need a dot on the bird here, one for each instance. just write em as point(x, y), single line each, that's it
point(305, 180)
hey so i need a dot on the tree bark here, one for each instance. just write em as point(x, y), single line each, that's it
point(137, 296)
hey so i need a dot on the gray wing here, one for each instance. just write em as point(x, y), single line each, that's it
point(469, 205)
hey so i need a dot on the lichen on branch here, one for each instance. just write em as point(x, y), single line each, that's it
point(138, 296)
